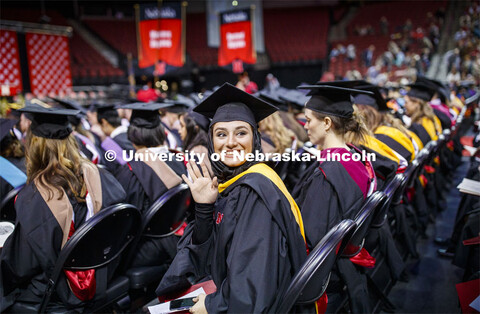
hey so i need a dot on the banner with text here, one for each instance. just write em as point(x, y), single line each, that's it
point(160, 38)
point(236, 42)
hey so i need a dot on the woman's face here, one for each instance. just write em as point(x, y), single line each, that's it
point(411, 105)
point(229, 137)
point(183, 129)
point(315, 128)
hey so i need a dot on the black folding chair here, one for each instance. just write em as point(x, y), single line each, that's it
point(7, 206)
point(97, 243)
point(362, 221)
point(311, 281)
point(157, 222)
point(392, 190)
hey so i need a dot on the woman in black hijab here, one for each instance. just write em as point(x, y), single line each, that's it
point(248, 232)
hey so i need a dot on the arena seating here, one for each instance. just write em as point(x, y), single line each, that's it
point(87, 63)
point(120, 34)
point(32, 16)
point(197, 47)
point(370, 14)
point(290, 38)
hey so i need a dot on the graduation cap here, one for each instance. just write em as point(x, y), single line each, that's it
point(180, 104)
point(436, 86)
point(273, 97)
point(294, 97)
point(332, 100)
point(202, 121)
point(70, 104)
point(144, 115)
point(105, 110)
point(376, 100)
point(6, 126)
point(229, 103)
point(50, 122)
point(346, 84)
point(421, 91)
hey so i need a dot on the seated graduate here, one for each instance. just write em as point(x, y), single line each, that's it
point(248, 231)
point(62, 192)
point(107, 125)
point(12, 158)
point(170, 115)
point(422, 120)
point(85, 139)
point(146, 181)
point(193, 132)
point(276, 138)
point(335, 190)
point(440, 101)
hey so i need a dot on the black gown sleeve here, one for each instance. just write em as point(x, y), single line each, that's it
point(255, 266)
point(18, 261)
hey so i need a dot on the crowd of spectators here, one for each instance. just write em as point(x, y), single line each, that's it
point(463, 62)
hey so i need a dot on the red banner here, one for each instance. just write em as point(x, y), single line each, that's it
point(236, 41)
point(160, 35)
point(10, 74)
point(48, 63)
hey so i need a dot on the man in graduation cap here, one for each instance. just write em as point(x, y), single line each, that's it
point(113, 135)
point(146, 181)
point(248, 231)
point(333, 190)
point(63, 191)
point(170, 114)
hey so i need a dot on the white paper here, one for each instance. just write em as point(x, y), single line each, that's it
point(6, 229)
point(469, 186)
point(471, 150)
point(165, 307)
point(476, 304)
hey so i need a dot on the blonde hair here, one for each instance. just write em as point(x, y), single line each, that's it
point(374, 119)
point(425, 110)
point(353, 129)
point(389, 120)
point(281, 137)
point(56, 164)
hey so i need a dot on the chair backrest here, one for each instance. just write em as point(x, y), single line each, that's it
point(363, 221)
point(392, 190)
point(169, 209)
point(311, 280)
point(7, 205)
point(98, 242)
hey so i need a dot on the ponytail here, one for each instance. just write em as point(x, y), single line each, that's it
point(352, 129)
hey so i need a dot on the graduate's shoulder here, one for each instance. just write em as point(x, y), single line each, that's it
point(31, 209)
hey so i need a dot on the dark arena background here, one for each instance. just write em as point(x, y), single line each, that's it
point(416, 247)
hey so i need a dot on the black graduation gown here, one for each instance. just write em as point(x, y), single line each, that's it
point(123, 141)
point(143, 188)
point(325, 198)
point(252, 254)
point(422, 134)
point(445, 120)
point(30, 253)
